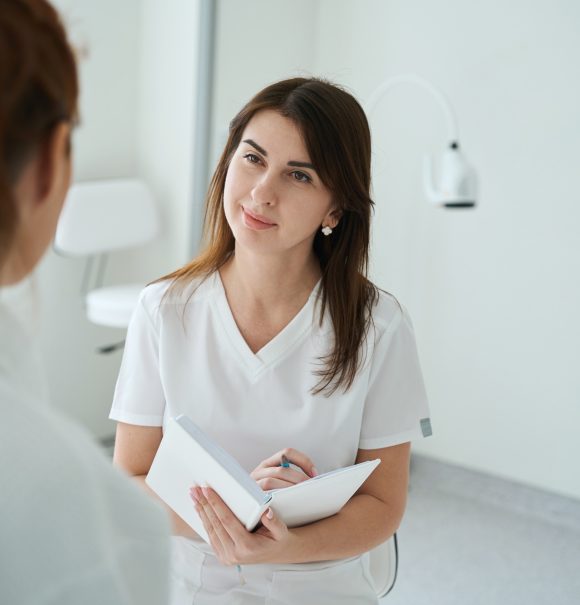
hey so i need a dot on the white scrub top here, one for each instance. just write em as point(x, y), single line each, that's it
point(72, 528)
point(185, 355)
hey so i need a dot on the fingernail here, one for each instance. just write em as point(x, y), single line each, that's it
point(193, 494)
point(314, 471)
point(270, 513)
point(205, 491)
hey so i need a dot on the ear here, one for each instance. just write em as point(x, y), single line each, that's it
point(53, 161)
point(333, 218)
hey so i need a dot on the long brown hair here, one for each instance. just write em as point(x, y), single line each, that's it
point(337, 136)
point(38, 90)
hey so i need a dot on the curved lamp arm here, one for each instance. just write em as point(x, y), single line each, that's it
point(452, 129)
point(458, 182)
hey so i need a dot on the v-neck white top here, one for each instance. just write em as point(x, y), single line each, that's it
point(184, 354)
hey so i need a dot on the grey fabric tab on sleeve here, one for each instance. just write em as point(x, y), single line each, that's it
point(426, 427)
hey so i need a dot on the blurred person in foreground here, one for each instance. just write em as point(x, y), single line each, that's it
point(73, 530)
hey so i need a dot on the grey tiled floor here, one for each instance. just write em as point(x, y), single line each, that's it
point(468, 538)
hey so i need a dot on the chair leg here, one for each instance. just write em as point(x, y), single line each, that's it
point(396, 544)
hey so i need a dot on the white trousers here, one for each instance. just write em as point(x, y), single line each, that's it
point(198, 578)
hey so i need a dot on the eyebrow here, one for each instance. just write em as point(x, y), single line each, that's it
point(293, 163)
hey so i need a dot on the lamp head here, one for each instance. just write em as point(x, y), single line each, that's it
point(458, 182)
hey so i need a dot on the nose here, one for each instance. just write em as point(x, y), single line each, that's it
point(264, 191)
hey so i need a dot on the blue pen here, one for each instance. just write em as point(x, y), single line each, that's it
point(285, 462)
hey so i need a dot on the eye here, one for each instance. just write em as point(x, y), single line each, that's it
point(252, 158)
point(301, 177)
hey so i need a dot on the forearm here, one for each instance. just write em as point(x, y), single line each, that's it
point(179, 526)
point(363, 523)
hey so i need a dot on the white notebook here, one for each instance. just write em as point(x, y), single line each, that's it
point(188, 457)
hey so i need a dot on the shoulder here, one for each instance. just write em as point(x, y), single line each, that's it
point(45, 443)
point(391, 324)
point(21, 370)
point(387, 313)
point(160, 297)
point(16, 341)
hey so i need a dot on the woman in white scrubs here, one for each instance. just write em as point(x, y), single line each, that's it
point(275, 342)
point(73, 530)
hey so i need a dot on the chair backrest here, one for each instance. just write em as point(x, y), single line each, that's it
point(101, 216)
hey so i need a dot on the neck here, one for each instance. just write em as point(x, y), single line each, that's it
point(12, 268)
point(267, 280)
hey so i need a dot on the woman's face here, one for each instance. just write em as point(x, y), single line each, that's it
point(274, 200)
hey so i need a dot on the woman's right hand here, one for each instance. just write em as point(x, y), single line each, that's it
point(270, 474)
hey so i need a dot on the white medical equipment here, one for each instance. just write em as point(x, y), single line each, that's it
point(457, 187)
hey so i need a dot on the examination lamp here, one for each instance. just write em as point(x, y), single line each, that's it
point(457, 186)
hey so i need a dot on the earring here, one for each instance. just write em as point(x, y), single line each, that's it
point(327, 230)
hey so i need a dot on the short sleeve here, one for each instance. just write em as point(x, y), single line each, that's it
point(396, 408)
point(139, 398)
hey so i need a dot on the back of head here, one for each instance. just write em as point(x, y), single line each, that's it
point(38, 90)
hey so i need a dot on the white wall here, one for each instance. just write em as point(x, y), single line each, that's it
point(168, 72)
point(257, 43)
point(494, 292)
point(136, 105)
point(81, 382)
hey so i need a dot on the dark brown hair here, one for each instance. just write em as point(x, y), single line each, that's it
point(337, 137)
point(38, 90)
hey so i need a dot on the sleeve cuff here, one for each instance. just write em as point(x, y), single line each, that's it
point(373, 443)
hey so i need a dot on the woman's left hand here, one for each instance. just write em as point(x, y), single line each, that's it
point(232, 543)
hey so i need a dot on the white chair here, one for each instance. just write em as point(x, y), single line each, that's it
point(100, 217)
point(384, 563)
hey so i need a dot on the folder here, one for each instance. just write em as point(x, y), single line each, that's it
point(187, 457)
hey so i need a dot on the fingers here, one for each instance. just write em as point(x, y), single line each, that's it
point(295, 457)
point(274, 525)
point(270, 474)
point(269, 483)
point(219, 521)
point(214, 537)
point(231, 542)
point(278, 476)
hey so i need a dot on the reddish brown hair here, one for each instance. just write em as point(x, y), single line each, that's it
point(38, 90)
point(337, 136)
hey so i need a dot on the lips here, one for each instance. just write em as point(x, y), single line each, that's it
point(257, 220)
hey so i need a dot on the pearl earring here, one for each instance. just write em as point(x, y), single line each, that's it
point(327, 230)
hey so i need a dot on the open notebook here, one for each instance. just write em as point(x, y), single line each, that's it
point(187, 457)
